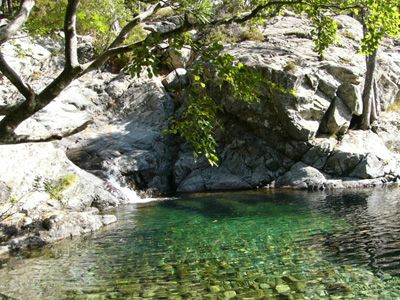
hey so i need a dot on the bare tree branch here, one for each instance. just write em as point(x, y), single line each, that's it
point(103, 57)
point(135, 21)
point(11, 28)
point(15, 79)
point(5, 109)
point(71, 43)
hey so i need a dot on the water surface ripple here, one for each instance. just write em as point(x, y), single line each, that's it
point(256, 245)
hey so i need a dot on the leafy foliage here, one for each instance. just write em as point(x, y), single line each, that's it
point(200, 10)
point(94, 17)
point(380, 18)
point(200, 117)
point(324, 32)
point(197, 126)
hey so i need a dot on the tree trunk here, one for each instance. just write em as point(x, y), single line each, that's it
point(369, 107)
point(10, 8)
point(33, 104)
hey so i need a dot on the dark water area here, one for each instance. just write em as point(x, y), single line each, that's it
point(246, 245)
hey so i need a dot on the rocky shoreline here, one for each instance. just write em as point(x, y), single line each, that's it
point(113, 126)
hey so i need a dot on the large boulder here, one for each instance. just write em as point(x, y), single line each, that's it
point(30, 168)
point(301, 176)
point(350, 94)
point(337, 118)
point(38, 184)
point(360, 154)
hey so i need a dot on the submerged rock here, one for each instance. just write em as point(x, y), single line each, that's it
point(301, 176)
point(229, 294)
point(282, 289)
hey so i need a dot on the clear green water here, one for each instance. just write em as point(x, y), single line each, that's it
point(250, 245)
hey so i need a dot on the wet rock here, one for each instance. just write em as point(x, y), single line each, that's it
point(301, 176)
point(338, 289)
point(148, 293)
point(294, 283)
point(265, 286)
point(108, 219)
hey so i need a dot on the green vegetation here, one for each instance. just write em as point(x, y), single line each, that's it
point(394, 107)
point(54, 188)
point(349, 35)
point(200, 118)
point(291, 66)
point(252, 33)
point(324, 32)
point(135, 47)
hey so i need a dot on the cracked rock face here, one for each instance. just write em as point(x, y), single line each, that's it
point(288, 129)
point(327, 93)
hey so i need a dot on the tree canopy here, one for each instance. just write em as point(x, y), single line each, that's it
point(133, 27)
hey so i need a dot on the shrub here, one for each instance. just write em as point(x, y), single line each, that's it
point(395, 106)
point(252, 34)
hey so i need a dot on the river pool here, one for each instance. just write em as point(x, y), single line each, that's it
point(245, 245)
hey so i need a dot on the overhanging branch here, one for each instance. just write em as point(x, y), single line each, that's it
point(15, 79)
point(11, 28)
point(134, 22)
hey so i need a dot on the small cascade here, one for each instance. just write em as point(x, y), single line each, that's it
point(131, 195)
point(117, 182)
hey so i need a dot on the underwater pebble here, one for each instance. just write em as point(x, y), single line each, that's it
point(264, 286)
point(230, 294)
point(215, 289)
point(282, 289)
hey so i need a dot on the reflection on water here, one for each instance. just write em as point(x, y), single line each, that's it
point(271, 245)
